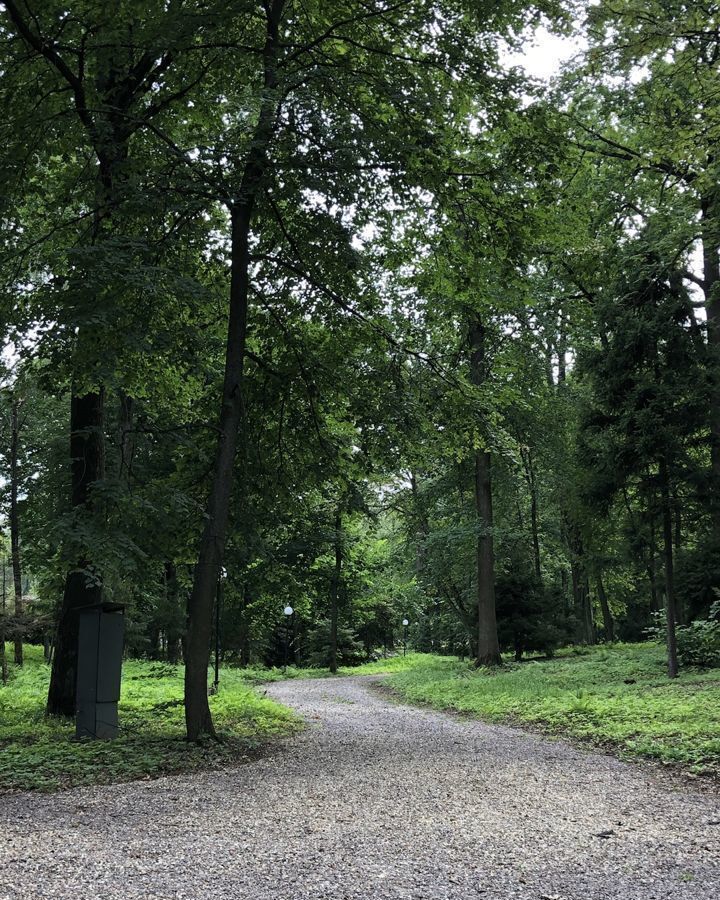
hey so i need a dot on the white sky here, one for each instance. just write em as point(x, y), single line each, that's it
point(544, 53)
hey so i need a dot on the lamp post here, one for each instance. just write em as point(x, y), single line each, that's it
point(287, 612)
point(222, 575)
point(405, 626)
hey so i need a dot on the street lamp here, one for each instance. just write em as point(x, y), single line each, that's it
point(287, 612)
point(405, 625)
point(222, 576)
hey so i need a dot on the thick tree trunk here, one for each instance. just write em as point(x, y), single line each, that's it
point(198, 720)
point(87, 454)
point(488, 647)
point(15, 527)
point(670, 613)
point(87, 447)
point(335, 593)
point(608, 623)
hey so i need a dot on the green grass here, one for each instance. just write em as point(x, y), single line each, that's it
point(583, 695)
point(38, 753)
point(391, 665)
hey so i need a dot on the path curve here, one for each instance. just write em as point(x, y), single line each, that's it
point(374, 801)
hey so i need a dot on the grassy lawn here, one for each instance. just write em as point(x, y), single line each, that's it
point(584, 695)
point(37, 753)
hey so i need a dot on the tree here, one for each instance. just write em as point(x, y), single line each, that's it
point(116, 75)
point(645, 411)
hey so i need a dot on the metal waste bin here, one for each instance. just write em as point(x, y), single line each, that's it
point(99, 670)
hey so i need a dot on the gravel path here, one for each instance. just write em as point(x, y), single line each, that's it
point(374, 800)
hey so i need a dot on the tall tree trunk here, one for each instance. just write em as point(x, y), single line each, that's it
point(87, 454)
point(200, 605)
point(652, 567)
point(15, 526)
point(710, 221)
point(198, 720)
point(534, 524)
point(582, 606)
point(608, 624)
point(488, 647)
point(335, 593)
point(670, 612)
point(588, 610)
point(678, 542)
point(3, 654)
point(87, 442)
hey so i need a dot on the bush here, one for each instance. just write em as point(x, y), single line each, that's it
point(699, 643)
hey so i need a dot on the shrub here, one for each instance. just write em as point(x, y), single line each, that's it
point(699, 643)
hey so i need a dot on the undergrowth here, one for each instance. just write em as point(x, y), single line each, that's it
point(38, 753)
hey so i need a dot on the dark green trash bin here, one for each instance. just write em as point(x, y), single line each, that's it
point(99, 670)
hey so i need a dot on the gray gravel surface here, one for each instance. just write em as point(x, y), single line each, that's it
point(374, 800)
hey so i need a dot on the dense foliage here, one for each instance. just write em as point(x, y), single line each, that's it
point(335, 299)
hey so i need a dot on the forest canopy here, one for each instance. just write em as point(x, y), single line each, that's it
point(333, 307)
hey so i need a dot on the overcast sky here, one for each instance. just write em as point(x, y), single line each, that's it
point(542, 56)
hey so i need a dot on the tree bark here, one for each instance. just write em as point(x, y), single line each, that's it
point(200, 606)
point(15, 526)
point(87, 436)
point(534, 524)
point(3, 654)
point(335, 592)
point(488, 647)
point(710, 221)
point(87, 455)
point(670, 612)
point(198, 720)
point(680, 611)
